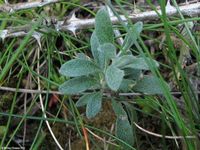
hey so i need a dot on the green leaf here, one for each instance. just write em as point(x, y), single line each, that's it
point(149, 85)
point(94, 42)
point(132, 35)
point(103, 27)
point(106, 52)
point(124, 130)
point(78, 67)
point(83, 100)
point(118, 109)
point(129, 61)
point(122, 61)
point(134, 74)
point(114, 77)
point(94, 105)
point(82, 56)
point(77, 85)
point(126, 85)
point(140, 63)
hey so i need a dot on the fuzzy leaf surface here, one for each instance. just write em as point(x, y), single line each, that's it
point(118, 109)
point(77, 85)
point(132, 35)
point(83, 100)
point(130, 61)
point(126, 85)
point(103, 27)
point(94, 105)
point(106, 52)
point(114, 77)
point(124, 130)
point(140, 63)
point(78, 67)
point(94, 42)
point(149, 85)
point(122, 61)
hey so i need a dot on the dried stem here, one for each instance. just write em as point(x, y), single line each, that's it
point(100, 138)
point(74, 23)
point(10, 89)
point(42, 105)
point(162, 136)
point(11, 8)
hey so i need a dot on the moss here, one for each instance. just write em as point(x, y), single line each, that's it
point(105, 118)
point(5, 101)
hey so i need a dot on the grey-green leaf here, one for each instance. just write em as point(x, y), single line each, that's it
point(94, 105)
point(122, 61)
point(134, 74)
point(126, 85)
point(140, 63)
point(82, 56)
point(106, 52)
point(114, 77)
point(132, 35)
point(118, 109)
point(103, 27)
point(94, 42)
point(77, 85)
point(149, 85)
point(78, 67)
point(130, 61)
point(83, 100)
point(124, 130)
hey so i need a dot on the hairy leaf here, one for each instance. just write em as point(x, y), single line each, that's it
point(134, 74)
point(149, 85)
point(114, 77)
point(106, 52)
point(126, 85)
point(83, 100)
point(118, 109)
point(130, 61)
point(140, 63)
point(94, 42)
point(77, 85)
point(122, 61)
point(78, 67)
point(132, 35)
point(124, 130)
point(94, 105)
point(103, 27)
point(82, 56)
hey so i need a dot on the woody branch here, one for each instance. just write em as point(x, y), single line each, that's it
point(74, 23)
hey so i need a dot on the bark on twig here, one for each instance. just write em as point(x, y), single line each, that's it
point(10, 89)
point(188, 10)
point(74, 23)
point(11, 8)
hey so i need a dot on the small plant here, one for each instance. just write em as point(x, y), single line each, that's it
point(108, 73)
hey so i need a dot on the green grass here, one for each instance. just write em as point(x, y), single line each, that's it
point(19, 60)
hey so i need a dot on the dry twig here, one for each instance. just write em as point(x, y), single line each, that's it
point(42, 105)
point(74, 23)
point(11, 8)
point(161, 136)
point(10, 89)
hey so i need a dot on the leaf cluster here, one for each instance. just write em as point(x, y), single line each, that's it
point(109, 70)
